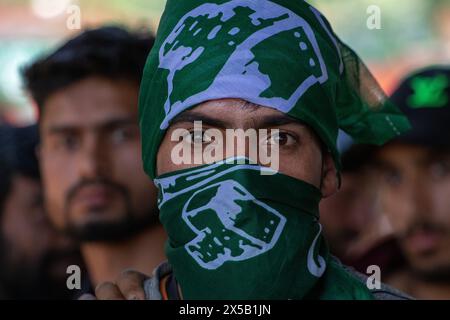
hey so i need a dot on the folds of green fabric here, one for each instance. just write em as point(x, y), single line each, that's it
point(237, 234)
point(281, 54)
point(229, 237)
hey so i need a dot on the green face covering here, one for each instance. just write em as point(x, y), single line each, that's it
point(237, 234)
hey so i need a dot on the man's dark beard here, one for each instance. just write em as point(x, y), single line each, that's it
point(110, 231)
point(438, 274)
point(116, 231)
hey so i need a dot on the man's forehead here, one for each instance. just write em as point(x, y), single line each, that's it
point(92, 99)
point(234, 106)
point(229, 113)
point(89, 123)
point(397, 153)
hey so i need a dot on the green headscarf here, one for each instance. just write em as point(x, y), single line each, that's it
point(281, 54)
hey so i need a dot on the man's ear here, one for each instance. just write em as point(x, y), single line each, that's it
point(330, 181)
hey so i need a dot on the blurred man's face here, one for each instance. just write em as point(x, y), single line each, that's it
point(346, 215)
point(95, 186)
point(22, 214)
point(416, 197)
point(34, 256)
point(300, 154)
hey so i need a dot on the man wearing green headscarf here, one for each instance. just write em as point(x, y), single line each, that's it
point(237, 228)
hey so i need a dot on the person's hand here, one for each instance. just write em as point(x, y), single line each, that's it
point(128, 286)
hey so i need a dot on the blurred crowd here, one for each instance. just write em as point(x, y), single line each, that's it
point(73, 190)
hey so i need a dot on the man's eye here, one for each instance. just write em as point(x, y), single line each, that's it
point(392, 178)
point(198, 137)
point(439, 169)
point(68, 142)
point(120, 135)
point(281, 139)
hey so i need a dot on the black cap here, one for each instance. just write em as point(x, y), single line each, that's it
point(424, 97)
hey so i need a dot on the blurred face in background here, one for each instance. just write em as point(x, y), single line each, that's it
point(95, 186)
point(22, 214)
point(415, 194)
point(34, 257)
point(346, 215)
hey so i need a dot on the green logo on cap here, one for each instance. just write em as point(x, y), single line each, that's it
point(429, 92)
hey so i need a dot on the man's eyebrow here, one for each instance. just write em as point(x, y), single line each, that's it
point(438, 153)
point(384, 165)
point(63, 128)
point(276, 120)
point(119, 122)
point(106, 125)
point(191, 116)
